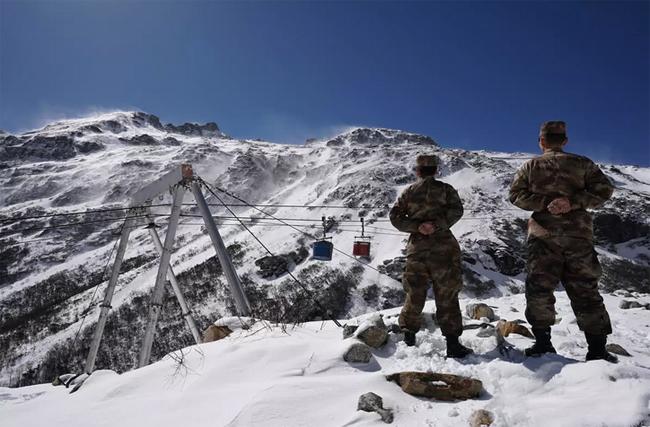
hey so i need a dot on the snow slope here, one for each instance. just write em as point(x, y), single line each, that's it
point(49, 273)
point(265, 376)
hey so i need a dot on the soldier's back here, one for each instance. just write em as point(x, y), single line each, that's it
point(558, 174)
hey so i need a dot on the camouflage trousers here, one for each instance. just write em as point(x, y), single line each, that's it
point(572, 261)
point(440, 267)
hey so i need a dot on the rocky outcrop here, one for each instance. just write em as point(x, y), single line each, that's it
point(59, 147)
point(614, 228)
point(393, 267)
point(143, 139)
point(272, 267)
point(194, 129)
point(379, 136)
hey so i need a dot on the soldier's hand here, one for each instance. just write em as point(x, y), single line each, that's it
point(426, 228)
point(559, 206)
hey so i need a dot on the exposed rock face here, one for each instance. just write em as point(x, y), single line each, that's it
point(45, 148)
point(140, 140)
point(379, 136)
point(445, 387)
point(271, 267)
point(393, 267)
point(194, 129)
point(506, 259)
point(358, 353)
point(615, 228)
point(371, 402)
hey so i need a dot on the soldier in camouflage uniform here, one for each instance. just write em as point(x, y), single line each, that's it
point(427, 210)
point(558, 187)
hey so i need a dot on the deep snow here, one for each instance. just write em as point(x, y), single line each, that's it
point(265, 376)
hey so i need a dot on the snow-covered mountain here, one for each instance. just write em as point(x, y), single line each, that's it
point(50, 268)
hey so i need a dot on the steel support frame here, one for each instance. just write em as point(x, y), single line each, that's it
point(173, 281)
point(108, 295)
point(178, 180)
point(161, 276)
point(232, 278)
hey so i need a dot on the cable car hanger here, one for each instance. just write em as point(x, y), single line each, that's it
point(361, 245)
point(323, 248)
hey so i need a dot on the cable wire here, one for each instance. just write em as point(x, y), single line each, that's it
point(297, 229)
point(324, 311)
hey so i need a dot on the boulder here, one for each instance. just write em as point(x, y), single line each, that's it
point(216, 333)
point(625, 304)
point(374, 333)
point(479, 310)
point(437, 386)
point(349, 330)
point(358, 353)
point(506, 327)
point(371, 402)
point(480, 418)
point(617, 349)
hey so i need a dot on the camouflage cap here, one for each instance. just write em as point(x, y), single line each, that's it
point(557, 127)
point(426, 160)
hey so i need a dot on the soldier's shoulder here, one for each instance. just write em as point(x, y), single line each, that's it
point(446, 186)
point(582, 162)
point(409, 190)
point(579, 157)
point(528, 163)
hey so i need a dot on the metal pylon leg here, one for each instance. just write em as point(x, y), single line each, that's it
point(238, 294)
point(108, 296)
point(177, 290)
point(156, 299)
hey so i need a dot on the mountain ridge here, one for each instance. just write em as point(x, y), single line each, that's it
point(50, 268)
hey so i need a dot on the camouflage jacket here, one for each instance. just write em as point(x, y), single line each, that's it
point(428, 200)
point(558, 174)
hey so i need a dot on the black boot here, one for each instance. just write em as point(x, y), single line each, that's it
point(542, 343)
point(455, 349)
point(597, 349)
point(409, 337)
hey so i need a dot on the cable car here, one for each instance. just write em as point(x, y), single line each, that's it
point(361, 245)
point(323, 248)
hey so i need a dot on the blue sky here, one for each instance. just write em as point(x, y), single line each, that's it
point(477, 75)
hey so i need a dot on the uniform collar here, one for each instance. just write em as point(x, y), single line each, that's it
point(553, 150)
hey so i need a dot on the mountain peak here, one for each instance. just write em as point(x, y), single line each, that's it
point(122, 121)
point(365, 135)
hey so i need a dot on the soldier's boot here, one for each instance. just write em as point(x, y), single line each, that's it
point(542, 343)
point(455, 349)
point(598, 350)
point(409, 337)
